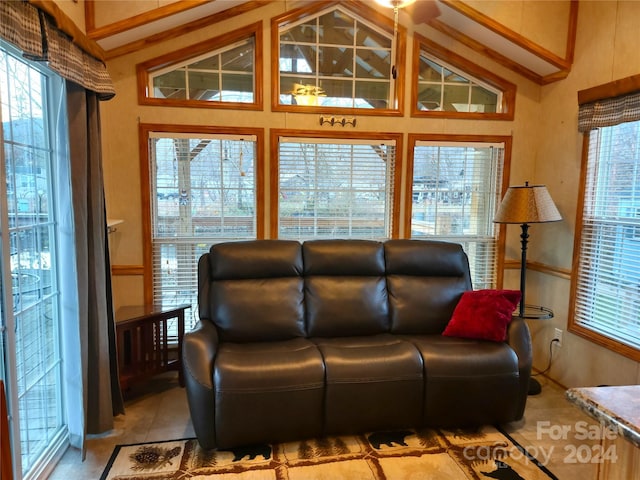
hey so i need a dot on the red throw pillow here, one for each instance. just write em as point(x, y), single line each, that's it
point(483, 314)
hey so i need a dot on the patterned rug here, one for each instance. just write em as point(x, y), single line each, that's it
point(397, 455)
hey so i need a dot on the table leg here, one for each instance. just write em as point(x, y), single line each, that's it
point(180, 337)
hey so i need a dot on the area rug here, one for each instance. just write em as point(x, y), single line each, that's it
point(397, 455)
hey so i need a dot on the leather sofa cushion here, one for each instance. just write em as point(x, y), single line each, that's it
point(372, 383)
point(255, 291)
point(258, 310)
point(468, 382)
point(345, 288)
point(346, 306)
point(268, 390)
point(255, 259)
point(424, 285)
point(343, 257)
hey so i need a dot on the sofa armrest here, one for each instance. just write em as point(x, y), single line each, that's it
point(199, 350)
point(519, 338)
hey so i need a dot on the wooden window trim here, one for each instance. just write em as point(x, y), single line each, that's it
point(358, 9)
point(144, 129)
point(508, 89)
point(250, 31)
point(610, 90)
point(274, 170)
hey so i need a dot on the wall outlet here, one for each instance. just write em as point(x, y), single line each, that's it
point(557, 335)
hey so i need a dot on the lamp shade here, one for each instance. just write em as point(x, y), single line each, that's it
point(527, 204)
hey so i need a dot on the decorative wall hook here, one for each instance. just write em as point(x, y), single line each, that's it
point(343, 121)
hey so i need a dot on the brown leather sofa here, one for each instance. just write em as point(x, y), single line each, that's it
point(341, 336)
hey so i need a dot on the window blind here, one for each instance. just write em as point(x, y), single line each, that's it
point(202, 192)
point(330, 188)
point(455, 193)
point(607, 297)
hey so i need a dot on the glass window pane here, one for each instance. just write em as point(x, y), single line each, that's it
point(298, 58)
point(211, 63)
point(237, 88)
point(373, 63)
point(239, 59)
point(336, 61)
point(374, 94)
point(456, 98)
point(336, 28)
point(429, 70)
point(203, 86)
point(453, 77)
point(430, 97)
point(369, 37)
point(302, 33)
point(483, 100)
point(170, 85)
point(338, 92)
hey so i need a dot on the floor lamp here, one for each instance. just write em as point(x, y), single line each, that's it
point(523, 205)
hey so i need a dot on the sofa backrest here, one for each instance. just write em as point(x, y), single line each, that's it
point(253, 290)
point(266, 290)
point(345, 288)
point(425, 280)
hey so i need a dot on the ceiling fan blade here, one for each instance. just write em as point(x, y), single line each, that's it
point(422, 11)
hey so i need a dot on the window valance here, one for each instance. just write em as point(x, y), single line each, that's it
point(36, 34)
point(609, 111)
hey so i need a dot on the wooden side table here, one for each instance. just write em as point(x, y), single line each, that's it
point(144, 344)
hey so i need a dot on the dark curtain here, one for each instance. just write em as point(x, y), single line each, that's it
point(101, 389)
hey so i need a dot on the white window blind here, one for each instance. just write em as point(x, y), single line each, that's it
point(607, 297)
point(455, 194)
point(202, 192)
point(335, 188)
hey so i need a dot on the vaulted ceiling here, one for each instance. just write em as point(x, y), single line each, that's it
point(486, 27)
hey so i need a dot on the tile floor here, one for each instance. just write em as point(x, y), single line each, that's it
point(552, 428)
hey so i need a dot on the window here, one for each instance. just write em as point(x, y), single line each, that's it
point(30, 322)
point(335, 187)
point(202, 190)
point(224, 72)
point(335, 59)
point(455, 192)
point(449, 86)
point(606, 282)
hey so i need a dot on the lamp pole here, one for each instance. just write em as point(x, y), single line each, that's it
point(524, 237)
